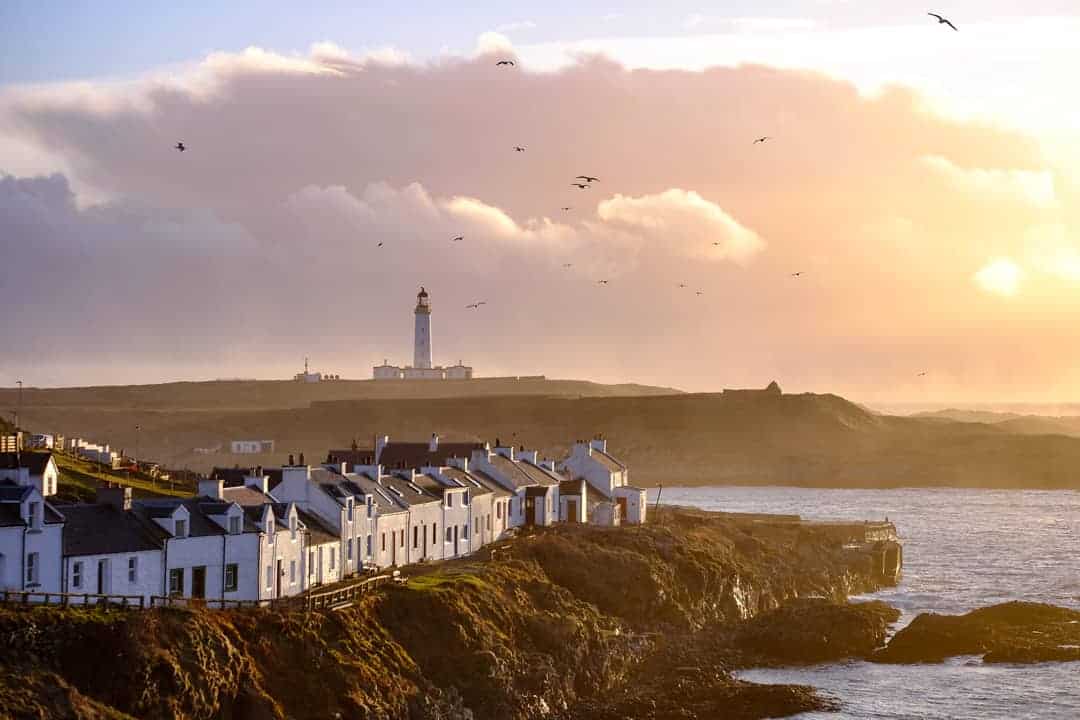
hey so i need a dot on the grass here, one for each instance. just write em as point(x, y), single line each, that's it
point(80, 479)
point(446, 581)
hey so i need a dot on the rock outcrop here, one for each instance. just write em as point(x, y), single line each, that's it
point(1016, 632)
point(569, 622)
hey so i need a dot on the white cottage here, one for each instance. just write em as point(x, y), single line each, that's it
point(108, 551)
point(31, 468)
point(614, 499)
point(31, 540)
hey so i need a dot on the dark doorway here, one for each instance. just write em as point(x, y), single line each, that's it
point(622, 507)
point(530, 511)
point(455, 540)
point(102, 571)
point(571, 511)
point(198, 582)
point(280, 574)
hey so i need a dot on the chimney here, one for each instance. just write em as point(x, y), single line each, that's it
point(257, 480)
point(301, 458)
point(433, 445)
point(548, 464)
point(115, 495)
point(459, 463)
point(381, 442)
point(599, 443)
point(210, 487)
point(291, 463)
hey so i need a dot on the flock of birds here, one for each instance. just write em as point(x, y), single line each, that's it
point(585, 182)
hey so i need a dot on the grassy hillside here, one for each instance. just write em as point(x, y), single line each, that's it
point(814, 440)
point(264, 394)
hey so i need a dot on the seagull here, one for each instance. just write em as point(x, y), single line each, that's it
point(941, 20)
point(700, 292)
point(763, 138)
point(582, 186)
point(922, 374)
point(504, 62)
point(717, 244)
point(459, 238)
point(568, 265)
point(682, 285)
point(380, 244)
point(587, 179)
point(567, 209)
point(601, 282)
point(797, 274)
point(518, 148)
point(180, 146)
point(475, 305)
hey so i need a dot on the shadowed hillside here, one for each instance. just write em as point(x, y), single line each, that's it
point(817, 440)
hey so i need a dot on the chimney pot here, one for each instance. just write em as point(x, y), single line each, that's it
point(291, 460)
point(301, 458)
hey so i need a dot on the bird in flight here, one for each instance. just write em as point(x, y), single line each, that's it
point(475, 305)
point(518, 148)
point(682, 285)
point(942, 21)
point(601, 282)
point(567, 265)
point(505, 62)
point(567, 209)
point(587, 179)
point(922, 374)
point(763, 138)
point(700, 292)
point(180, 146)
point(380, 244)
point(582, 186)
point(459, 238)
point(797, 274)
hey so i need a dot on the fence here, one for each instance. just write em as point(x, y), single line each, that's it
point(26, 597)
point(342, 596)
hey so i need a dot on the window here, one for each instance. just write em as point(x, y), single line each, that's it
point(498, 510)
point(333, 558)
point(465, 498)
point(449, 500)
point(269, 576)
point(76, 575)
point(292, 572)
point(415, 536)
point(369, 546)
point(370, 506)
point(234, 525)
point(311, 562)
point(32, 570)
point(270, 531)
point(348, 547)
point(181, 529)
point(176, 581)
point(35, 515)
point(292, 528)
point(232, 577)
point(487, 519)
point(449, 535)
point(382, 543)
point(349, 505)
point(434, 533)
point(477, 523)
point(401, 541)
point(465, 531)
point(133, 569)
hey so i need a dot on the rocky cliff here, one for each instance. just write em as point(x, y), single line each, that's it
point(570, 622)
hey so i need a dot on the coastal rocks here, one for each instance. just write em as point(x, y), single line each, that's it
point(812, 631)
point(1015, 632)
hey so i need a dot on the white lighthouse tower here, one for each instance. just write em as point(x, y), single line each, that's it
point(422, 336)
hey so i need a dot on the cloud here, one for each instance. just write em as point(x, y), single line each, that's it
point(1000, 277)
point(515, 26)
point(261, 241)
point(685, 222)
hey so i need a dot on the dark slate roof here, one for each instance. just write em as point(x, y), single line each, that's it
point(540, 475)
point(607, 461)
point(571, 487)
point(351, 457)
point(417, 455)
point(275, 476)
point(12, 493)
point(490, 483)
point(319, 532)
point(475, 486)
point(385, 501)
point(410, 493)
point(9, 515)
point(232, 477)
point(35, 461)
point(245, 495)
point(512, 471)
point(103, 530)
point(199, 524)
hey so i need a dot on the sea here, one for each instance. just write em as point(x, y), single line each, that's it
point(963, 549)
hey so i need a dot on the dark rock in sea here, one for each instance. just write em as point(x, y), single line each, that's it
point(1015, 632)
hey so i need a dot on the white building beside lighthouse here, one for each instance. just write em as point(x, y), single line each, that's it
point(422, 367)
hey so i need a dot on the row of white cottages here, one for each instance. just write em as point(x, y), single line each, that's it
point(264, 534)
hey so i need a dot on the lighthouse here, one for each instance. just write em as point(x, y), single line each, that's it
point(422, 334)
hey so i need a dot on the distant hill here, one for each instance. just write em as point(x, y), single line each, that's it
point(684, 439)
point(263, 394)
point(1013, 422)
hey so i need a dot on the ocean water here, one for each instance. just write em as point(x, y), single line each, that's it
point(962, 549)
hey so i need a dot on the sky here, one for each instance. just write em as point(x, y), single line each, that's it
point(922, 182)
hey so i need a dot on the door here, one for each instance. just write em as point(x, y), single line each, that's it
point(423, 531)
point(571, 510)
point(393, 547)
point(455, 540)
point(198, 582)
point(622, 507)
point(280, 574)
point(102, 573)
point(530, 511)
